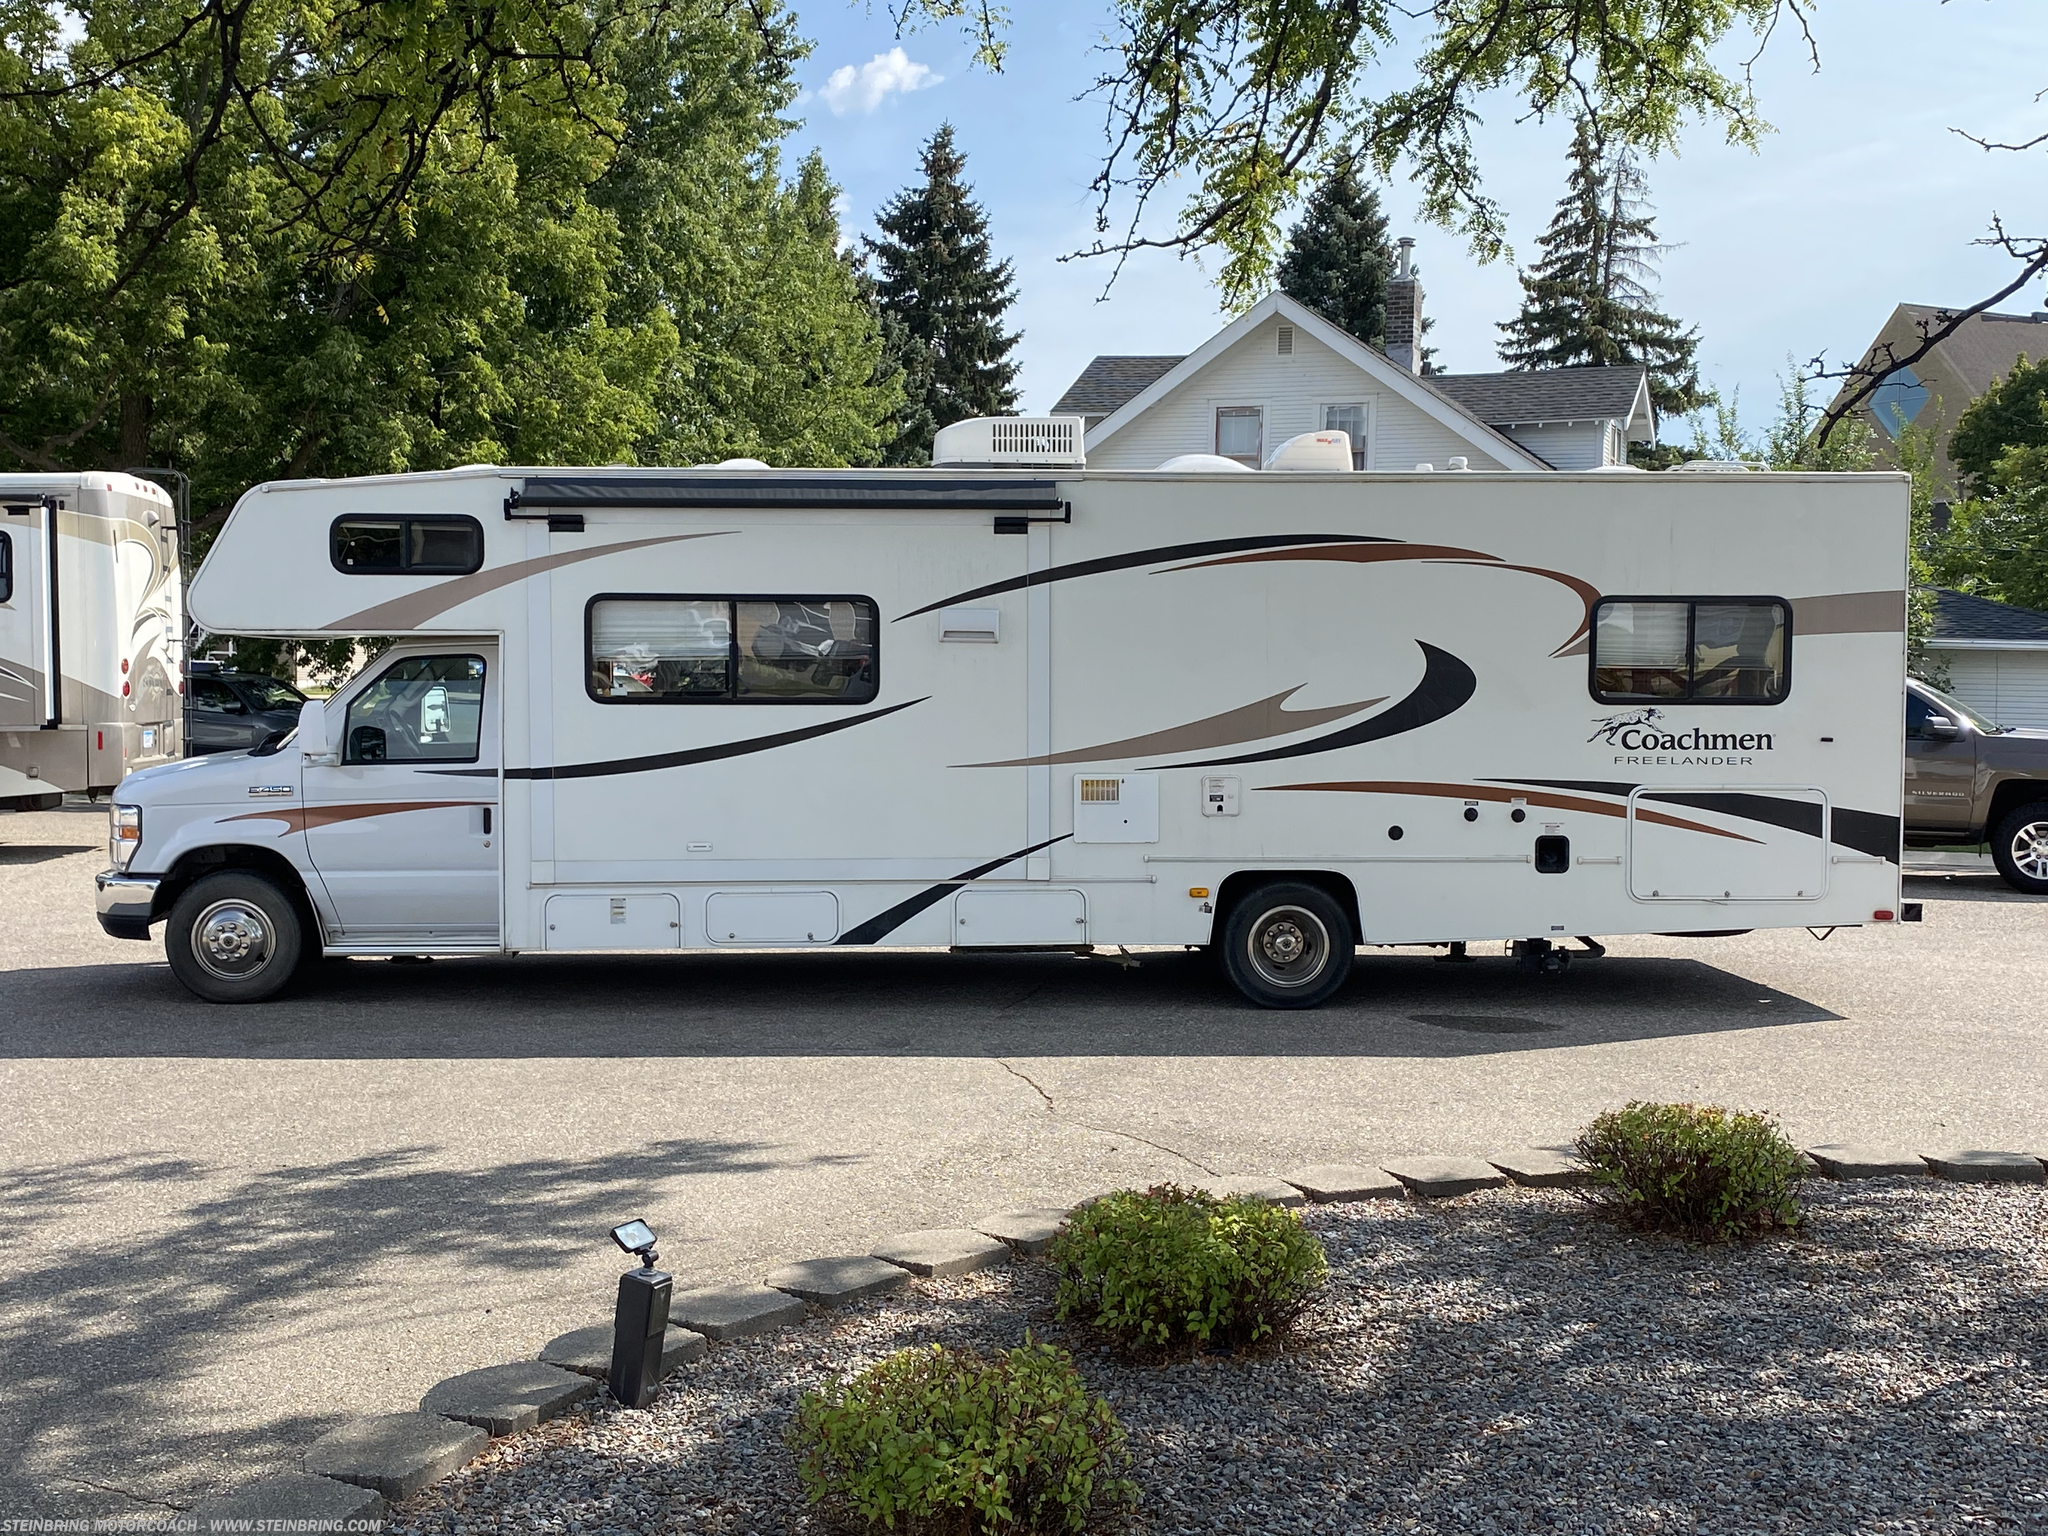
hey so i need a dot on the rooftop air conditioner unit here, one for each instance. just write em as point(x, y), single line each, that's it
point(1011, 442)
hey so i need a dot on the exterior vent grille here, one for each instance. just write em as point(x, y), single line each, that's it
point(1287, 341)
point(1000, 441)
point(1101, 791)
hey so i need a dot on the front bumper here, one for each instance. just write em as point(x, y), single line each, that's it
point(125, 902)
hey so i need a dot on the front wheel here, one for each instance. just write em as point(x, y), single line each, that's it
point(233, 937)
point(2019, 847)
point(1287, 945)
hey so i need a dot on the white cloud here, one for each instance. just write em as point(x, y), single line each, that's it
point(861, 90)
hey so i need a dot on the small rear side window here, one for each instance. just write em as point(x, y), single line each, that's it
point(408, 546)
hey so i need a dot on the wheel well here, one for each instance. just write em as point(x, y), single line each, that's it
point(2008, 797)
point(1241, 884)
point(197, 863)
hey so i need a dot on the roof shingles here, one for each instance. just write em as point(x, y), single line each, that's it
point(1961, 616)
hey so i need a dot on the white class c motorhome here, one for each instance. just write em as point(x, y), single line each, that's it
point(91, 634)
point(1006, 703)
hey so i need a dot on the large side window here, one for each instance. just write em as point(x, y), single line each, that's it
point(6, 567)
point(1706, 650)
point(423, 709)
point(410, 546)
point(722, 650)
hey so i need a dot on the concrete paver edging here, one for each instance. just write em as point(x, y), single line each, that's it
point(352, 1472)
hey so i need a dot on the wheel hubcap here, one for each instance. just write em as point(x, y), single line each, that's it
point(2030, 850)
point(1289, 947)
point(232, 940)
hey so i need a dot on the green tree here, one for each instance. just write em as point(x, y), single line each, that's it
point(936, 274)
point(2011, 415)
point(1996, 545)
point(1338, 258)
point(1589, 299)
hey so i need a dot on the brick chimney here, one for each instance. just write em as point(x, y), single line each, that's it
point(1404, 310)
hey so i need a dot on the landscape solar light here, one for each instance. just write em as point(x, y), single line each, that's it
point(641, 1319)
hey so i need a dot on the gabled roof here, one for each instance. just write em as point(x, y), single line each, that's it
point(1529, 399)
point(1970, 622)
point(1108, 382)
point(1984, 347)
point(1412, 388)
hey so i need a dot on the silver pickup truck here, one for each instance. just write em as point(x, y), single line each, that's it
point(1968, 781)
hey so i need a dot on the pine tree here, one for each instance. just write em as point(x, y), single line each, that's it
point(1338, 258)
point(1591, 299)
point(936, 279)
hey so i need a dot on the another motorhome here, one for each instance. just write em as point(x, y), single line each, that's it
point(1283, 713)
point(91, 634)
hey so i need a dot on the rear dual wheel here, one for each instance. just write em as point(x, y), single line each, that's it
point(1288, 945)
point(234, 937)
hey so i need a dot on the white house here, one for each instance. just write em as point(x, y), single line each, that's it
point(1281, 369)
point(1996, 656)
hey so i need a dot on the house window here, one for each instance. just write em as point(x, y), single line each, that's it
point(1351, 419)
point(1898, 400)
point(1734, 650)
point(721, 650)
point(1241, 433)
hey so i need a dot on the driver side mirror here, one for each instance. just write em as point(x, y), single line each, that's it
point(1943, 728)
point(313, 740)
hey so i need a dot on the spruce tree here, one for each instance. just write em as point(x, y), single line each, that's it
point(1338, 258)
point(937, 280)
point(1590, 299)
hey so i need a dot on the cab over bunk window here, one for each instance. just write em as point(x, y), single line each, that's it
point(725, 650)
point(1705, 650)
point(408, 546)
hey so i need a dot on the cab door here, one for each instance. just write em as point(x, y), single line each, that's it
point(1941, 769)
point(403, 829)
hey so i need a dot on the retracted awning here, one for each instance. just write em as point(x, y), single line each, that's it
point(769, 491)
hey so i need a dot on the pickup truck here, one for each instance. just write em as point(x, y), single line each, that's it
point(1968, 780)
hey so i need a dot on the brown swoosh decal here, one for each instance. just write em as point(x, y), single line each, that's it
point(415, 608)
point(1850, 613)
point(1250, 722)
point(1491, 792)
point(302, 818)
point(1374, 554)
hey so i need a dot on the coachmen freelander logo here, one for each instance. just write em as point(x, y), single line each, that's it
point(1638, 732)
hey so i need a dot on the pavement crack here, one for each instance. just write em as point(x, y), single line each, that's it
point(1101, 1130)
point(126, 1493)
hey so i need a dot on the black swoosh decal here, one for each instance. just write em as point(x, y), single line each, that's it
point(460, 773)
point(882, 924)
point(726, 749)
point(1446, 687)
point(1864, 831)
point(1143, 557)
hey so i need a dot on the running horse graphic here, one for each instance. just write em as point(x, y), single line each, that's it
point(1611, 727)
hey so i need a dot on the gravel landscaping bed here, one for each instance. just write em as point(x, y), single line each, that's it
point(1501, 1362)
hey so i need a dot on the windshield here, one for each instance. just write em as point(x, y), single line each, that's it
point(1961, 711)
point(269, 693)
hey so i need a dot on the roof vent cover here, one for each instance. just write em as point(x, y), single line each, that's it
point(990, 442)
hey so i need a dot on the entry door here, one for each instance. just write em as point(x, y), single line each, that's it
point(25, 698)
point(404, 830)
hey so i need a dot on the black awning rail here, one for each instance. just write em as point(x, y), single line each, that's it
point(545, 495)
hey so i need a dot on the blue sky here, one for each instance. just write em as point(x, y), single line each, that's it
point(1861, 200)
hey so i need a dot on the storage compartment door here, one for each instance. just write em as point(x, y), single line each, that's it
point(614, 922)
point(26, 701)
point(1009, 918)
point(1716, 844)
point(771, 917)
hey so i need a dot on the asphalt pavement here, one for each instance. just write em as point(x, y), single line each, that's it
point(228, 1229)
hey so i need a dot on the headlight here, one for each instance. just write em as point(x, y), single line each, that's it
point(125, 834)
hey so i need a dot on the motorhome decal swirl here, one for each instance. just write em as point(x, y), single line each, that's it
point(684, 759)
point(1489, 792)
point(1250, 722)
point(882, 924)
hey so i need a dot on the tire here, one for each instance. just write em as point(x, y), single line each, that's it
point(2019, 847)
point(1287, 945)
point(234, 937)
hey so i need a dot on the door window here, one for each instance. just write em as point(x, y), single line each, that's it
point(423, 709)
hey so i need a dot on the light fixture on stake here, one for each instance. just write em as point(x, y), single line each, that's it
point(641, 1319)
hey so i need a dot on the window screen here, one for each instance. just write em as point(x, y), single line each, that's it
point(414, 546)
point(754, 650)
point(1349, 419)
point(1240, 433)
point(422, 709)
point(1733, 650)
point(6, 567)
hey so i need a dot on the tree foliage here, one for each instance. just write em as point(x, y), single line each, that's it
point(1998, 438)
point(1996, 544)
point(1338, 258)
point(937, 278)
point(1590, 299)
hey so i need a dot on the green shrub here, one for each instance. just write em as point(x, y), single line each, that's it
point(944, 1440)
point(1693, 1170)
point(1177, 1268)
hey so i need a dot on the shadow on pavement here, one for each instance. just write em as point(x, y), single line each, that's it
point(95, 1349)
point(883, 1004)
